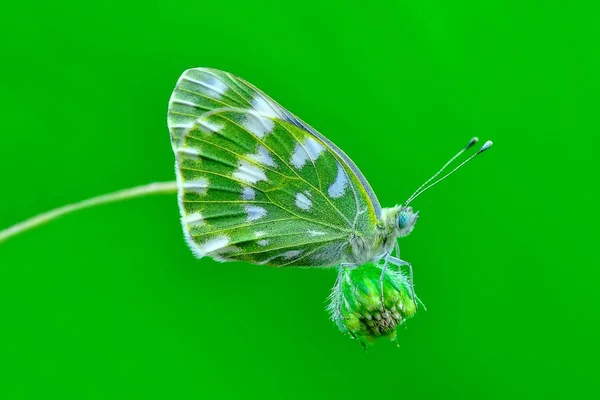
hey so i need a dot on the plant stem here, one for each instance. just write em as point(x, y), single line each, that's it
point(152, 188)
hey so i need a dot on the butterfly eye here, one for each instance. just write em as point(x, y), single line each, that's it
point(403, 220)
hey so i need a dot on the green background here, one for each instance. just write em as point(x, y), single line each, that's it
point(110, 303)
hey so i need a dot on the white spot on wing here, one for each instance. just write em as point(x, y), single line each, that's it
point(287, 255)
point(248, 172)
point(254, 212)
point(263, 156)
point(338, 187)
point(183, 125)
point(189, 151)
point(299, 156)
point(259, 234)
point(213, 244)
point(291, 254)
point(303, 202)
point(266, 108)
point(257, 125)
point(221, 254)
point(248, 193)
point(309, 150)
point(216, 85)
point(211, 83)
point(313, 148)
point(185, 102)
point(194, 219)
point(207, 126)
point(316, 233)
point(199, 185)
point(263, 242)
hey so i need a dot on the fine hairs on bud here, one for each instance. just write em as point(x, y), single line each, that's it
point(426, 186)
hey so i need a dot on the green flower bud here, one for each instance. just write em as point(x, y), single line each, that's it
point(358, 308)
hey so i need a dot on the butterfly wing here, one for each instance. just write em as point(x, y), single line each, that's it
point(203, 89)
point(257, 184)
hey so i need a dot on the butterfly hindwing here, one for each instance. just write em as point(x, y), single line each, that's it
point(254, 185)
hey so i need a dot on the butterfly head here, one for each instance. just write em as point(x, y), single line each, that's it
point(407, 218)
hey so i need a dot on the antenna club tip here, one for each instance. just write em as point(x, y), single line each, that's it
point(474, 140)
point(486, 145)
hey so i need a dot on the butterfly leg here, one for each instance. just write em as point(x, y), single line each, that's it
point(412, 288)
point(401, 263)
point(386, 257)
point(338, 285)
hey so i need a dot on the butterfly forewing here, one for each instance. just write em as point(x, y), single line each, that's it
point(256, 185)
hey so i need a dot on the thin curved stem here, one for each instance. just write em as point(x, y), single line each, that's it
point(152, 188)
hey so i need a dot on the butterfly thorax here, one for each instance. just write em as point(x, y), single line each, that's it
point(370, 248)
point(394, 222)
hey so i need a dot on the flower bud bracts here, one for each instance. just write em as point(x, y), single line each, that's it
point(358, 307)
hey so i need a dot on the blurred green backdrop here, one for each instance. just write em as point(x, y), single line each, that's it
point(109, 303)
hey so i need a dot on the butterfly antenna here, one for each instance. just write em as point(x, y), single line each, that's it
point(483, 148)
point(467, 147)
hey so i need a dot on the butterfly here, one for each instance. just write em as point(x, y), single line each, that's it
point(257, 184)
